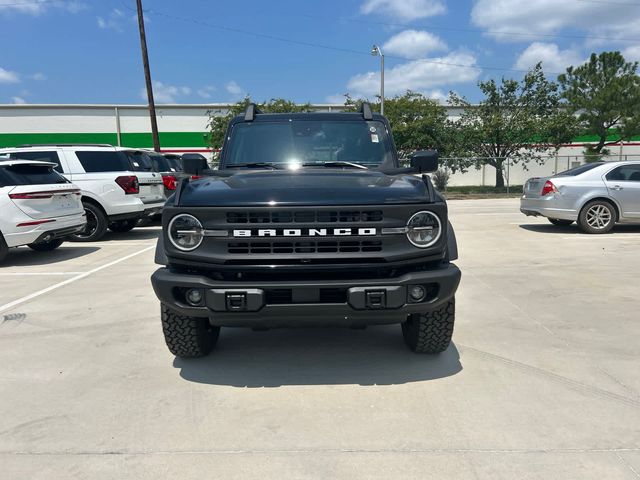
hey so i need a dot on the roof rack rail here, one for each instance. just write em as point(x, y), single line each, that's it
point(365, 110)
point(64, 145)
point(251, 112)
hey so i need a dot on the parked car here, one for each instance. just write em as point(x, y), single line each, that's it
point(40, 208)
point(288, 234)
point(175, 161)
point(595, 195)
point(114, 196)
point(150, 161)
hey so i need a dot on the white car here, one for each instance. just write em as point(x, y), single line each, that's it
point(114, 195)
point(40, 208)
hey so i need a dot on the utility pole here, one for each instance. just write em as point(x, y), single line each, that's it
point(147, 77)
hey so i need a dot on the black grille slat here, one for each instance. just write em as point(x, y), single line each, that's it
point(305, 216)
point(266, 248)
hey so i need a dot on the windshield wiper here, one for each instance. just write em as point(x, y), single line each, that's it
point(255, 165)
point(334, 164)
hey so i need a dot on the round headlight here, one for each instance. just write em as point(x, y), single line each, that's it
point(424, 229)
point(185, 232)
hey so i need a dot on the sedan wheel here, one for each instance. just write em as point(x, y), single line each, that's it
point(598, 216)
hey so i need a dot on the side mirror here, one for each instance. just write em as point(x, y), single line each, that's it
point(194, 164)
point(425, 161)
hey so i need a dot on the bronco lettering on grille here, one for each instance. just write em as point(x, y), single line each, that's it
point(305, 232)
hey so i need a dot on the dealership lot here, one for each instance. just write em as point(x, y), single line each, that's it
point(542, 380)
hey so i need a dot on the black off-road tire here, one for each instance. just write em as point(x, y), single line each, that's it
point(4, 250)
point(430, 332)
point(188, 337)
point(586, 223)
point(96, 224)
point(560, 223)
point(46, 246)
point(123, 226)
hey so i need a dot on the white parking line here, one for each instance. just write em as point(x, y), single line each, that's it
point(10, 305)
point(20, 274)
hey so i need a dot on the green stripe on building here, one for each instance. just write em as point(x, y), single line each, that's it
point(168, 140)
point(134, 140)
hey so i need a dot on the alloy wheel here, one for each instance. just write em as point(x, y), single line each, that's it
point(599, 216)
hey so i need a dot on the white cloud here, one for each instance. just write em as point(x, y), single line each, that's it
point(632, 53)
point(404, 9)
point(38, 76)
point(550, 16)
point(234, 89)
point(205, 92)
point(7, 76)
point(422, 75)
point(112, 22)
point(163, 93)
point(413, 44)
point(553, 59)
point(32, 7)
point(18, 100)
point(337, 98)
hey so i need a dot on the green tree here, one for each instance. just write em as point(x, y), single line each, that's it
point(605, 94)
point(516, 120)
point(417, 122)
point(219, 120)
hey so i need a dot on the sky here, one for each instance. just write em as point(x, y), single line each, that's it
point(208, 51)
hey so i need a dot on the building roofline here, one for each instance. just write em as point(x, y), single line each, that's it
point(138, 106)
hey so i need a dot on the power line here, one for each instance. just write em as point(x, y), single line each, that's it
point(331, 47)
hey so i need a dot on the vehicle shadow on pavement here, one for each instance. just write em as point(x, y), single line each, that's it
point(135, 234)
point(316, 356)
point(25, 257)
point(574, 229)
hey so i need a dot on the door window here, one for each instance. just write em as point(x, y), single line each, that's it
point(625, 173)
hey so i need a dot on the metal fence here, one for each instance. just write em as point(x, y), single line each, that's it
point(480, 172)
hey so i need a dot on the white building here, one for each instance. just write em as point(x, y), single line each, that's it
point(183, 128)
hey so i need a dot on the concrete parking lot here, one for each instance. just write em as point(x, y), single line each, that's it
point(542, 382)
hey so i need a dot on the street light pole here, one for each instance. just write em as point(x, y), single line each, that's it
point(377, 51)
point(147, 77)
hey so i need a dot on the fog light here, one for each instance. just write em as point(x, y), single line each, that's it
point(417, 293)
point(194, 297)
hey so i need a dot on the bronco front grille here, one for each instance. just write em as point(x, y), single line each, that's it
point(305, 216)
point(345, 246)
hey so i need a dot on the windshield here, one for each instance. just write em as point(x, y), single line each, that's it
point(140, 161)
point(174, 162)
point(306, 143)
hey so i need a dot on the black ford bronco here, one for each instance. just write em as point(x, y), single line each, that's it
point(309, 220)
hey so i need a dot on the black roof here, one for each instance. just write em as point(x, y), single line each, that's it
point(333, 116)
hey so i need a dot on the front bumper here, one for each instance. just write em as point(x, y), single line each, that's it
point(287, 304)
point(548, 206)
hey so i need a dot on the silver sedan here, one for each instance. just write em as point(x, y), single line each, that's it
point(595, 195)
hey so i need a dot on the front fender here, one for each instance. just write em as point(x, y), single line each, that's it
point(161, 256)
point(452, 243)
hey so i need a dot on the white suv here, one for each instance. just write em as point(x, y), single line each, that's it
point(40, 208)
point(114, 196)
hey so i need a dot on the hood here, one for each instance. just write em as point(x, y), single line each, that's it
point(304, 187)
